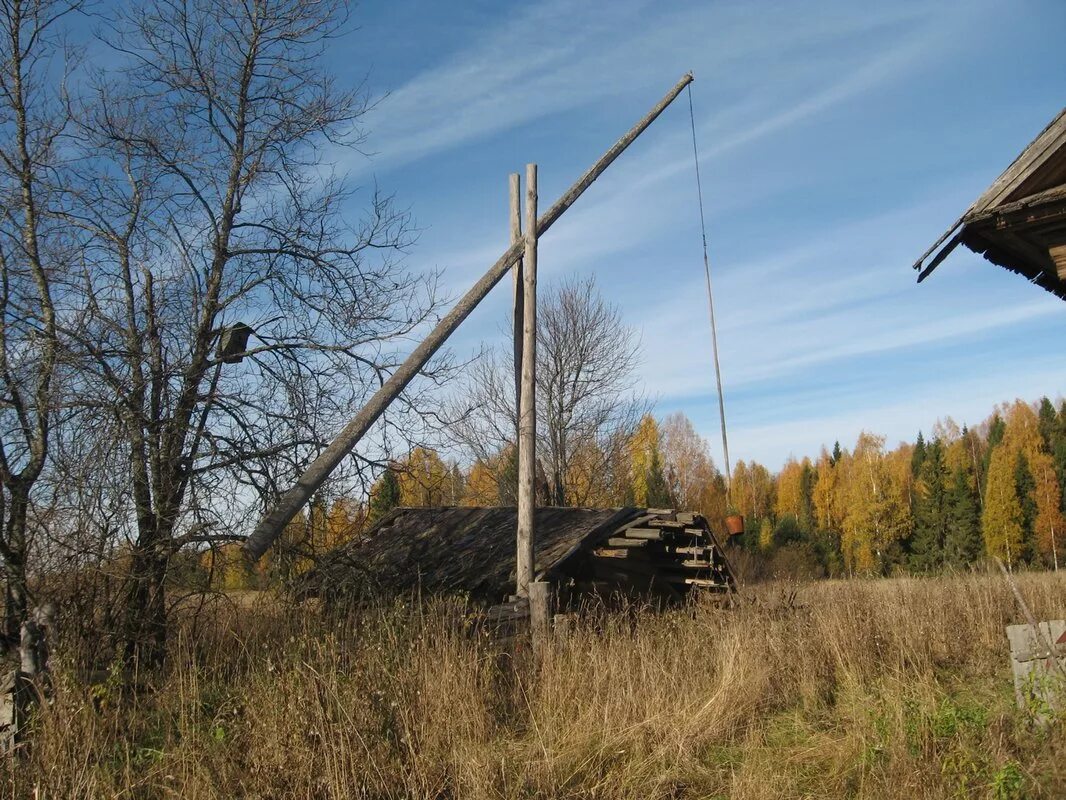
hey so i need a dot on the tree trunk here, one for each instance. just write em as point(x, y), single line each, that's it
point(16, 591)
point(145, 622)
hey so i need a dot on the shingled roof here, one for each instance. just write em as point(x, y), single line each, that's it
point(1019, 222)
point(472, 551)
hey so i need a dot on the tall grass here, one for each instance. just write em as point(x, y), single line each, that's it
point(881, 689)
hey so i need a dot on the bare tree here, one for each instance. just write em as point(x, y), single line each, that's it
point(34, 256)
point(233, 317)
point(587, 406)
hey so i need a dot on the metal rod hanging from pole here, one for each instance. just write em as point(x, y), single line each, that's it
point(272, 524)
point(710, 307)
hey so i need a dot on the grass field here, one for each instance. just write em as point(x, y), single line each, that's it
point(881, 689)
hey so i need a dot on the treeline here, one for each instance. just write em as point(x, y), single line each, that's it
point(949, 500)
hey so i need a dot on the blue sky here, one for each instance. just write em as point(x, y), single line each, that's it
point(838, 140)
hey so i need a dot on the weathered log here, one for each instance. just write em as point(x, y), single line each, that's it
point(527, 423)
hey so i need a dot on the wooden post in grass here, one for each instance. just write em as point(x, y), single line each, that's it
point(527, 404)
point(518, 311)
point(540, 614)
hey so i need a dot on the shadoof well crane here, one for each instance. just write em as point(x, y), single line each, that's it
point(521, 257)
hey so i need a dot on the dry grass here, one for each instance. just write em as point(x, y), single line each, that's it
point(882, 689)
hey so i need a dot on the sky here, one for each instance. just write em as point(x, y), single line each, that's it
point(837, 141)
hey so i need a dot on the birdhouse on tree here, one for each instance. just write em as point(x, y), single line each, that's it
point(233, 343)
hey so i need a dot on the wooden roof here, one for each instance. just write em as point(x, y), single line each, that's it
point(1019, 222)
point(472, 551)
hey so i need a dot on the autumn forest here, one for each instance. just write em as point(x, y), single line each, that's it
point(954, 497)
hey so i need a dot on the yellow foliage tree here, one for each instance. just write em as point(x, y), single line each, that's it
point(752, 490)
point(643, 446)
point(828, 508)
point(425, 480)
point(1001, 517)
point(877, 491)
point(791, 496)
point(766, 534)
point(345, 521)
point(228, 568)
point(1022, 431)
point(482, 487)
point(1049, 521)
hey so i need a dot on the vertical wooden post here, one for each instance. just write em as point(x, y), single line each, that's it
point(539, 614)
point(518, 295)
point(527, 425)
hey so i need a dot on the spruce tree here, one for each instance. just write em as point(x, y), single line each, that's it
point(930, 511)
point(837, 454)
point(1048, 421)
point(1024, 485)
point(658, 489)
point(996, 428)
point(918, 455)
point(385, 497)
point(962, 542)
point(810, 477)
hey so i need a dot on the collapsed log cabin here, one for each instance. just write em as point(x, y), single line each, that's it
point(653, 553)
point(1019, 222)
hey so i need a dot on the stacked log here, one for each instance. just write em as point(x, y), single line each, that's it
point(665, 552)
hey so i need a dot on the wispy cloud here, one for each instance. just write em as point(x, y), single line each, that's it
point(557, 55)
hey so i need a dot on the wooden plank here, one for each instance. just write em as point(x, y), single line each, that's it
point(670, 524)
point(696, 550)
point(644, 533)
point(1028, 161)
point(518, 292)
point(634, 523)
point(622, 541)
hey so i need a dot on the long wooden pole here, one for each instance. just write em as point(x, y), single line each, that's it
point(517, 302)
point(527, 425)
point(272, 524)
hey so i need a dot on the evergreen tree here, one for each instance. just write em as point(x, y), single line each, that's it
point(1048, 423)
point(810, 478)
point(918, 456)
point(384, 497)
point(962, 541)
point(837, 453)
point(996, 428)
point(1024, 486)
point(658, 492)
point(930, 511)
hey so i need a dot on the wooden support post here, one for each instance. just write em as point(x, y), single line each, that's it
point(539, 615)
point(527, 404)
point(274, 522)
point(518, 295)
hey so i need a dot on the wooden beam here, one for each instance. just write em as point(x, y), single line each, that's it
point(272, 524)
point(527, 404)
point(517, 294)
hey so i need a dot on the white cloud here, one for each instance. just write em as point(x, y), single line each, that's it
point(557, 55)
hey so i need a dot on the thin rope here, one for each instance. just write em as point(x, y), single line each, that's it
point(710, 299)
